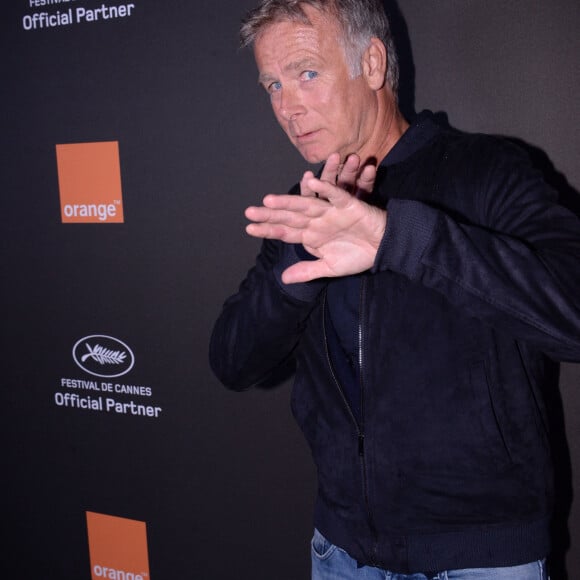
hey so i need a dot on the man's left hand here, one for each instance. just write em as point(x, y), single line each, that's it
point(329, 218)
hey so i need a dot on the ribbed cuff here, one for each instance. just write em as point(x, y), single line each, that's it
point(304, 291)
point(410, 225)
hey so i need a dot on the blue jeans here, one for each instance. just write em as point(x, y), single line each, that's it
point(330, 562)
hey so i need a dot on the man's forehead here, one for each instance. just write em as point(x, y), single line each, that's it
point(283, 31)
point(294, 44)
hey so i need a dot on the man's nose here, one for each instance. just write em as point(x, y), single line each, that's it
point(290, 105)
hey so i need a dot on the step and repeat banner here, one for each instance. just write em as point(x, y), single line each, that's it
point(134, 134)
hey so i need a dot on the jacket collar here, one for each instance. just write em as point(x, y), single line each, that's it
point(423, 129)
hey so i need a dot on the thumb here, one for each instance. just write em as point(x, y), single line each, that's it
point(304, 272)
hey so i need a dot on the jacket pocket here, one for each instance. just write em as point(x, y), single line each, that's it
point(489, 419)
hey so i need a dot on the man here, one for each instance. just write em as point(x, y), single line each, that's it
point(417, 287)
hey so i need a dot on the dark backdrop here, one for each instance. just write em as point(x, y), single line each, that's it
point(223, 481)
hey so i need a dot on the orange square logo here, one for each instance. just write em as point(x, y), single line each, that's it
point(117, 547)
point(89, 179)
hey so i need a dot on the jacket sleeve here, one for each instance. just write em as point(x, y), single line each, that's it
point(516, 266)
point(258, 330)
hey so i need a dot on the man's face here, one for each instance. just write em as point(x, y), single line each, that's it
point(320, 107)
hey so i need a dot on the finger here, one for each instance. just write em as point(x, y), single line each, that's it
point(347, 176)
point(331, 168)
point(304, 189)
point(303, 204)
point(337, 196)
point(275, 232)
point(277, 216)
point(366, 181)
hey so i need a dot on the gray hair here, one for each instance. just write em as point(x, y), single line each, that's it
point(360, 21)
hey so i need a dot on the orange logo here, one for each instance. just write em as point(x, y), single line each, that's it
point(118, 548)
point(89, 179)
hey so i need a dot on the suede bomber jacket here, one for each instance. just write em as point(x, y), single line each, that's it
point(445, 462)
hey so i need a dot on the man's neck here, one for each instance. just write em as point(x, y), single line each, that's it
point(389, 128)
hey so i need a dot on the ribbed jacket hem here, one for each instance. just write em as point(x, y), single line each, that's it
point(483, 547)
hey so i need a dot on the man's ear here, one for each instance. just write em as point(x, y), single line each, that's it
point(374, 64)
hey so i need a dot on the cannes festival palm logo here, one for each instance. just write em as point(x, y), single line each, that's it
point(103, 356)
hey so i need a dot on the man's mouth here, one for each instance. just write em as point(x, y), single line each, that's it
point(301, 137)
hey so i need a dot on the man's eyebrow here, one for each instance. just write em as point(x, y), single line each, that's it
point(300, 64)
point(264, 79)
point(291, 66)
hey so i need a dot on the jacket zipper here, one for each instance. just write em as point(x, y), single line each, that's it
point(358, 424)
point(361, 361)
point(336, 382)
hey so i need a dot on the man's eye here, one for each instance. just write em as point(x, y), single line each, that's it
point(309, 75)
point(274, 87)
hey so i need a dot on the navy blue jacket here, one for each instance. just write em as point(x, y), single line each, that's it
point(443, 462)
